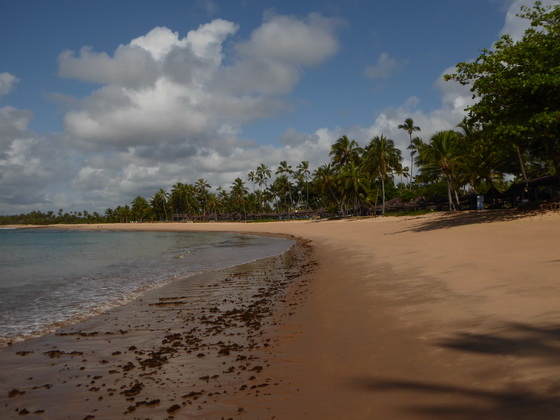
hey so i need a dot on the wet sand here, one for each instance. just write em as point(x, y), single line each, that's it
point(196, 348)
point(431, 317)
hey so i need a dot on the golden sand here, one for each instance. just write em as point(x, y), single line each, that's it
point(444, 316)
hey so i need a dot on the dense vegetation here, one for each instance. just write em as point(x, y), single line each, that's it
point(511, 132)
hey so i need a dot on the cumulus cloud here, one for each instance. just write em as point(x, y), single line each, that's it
point(515, 26)
point(30, 165)
point(165, 90)
point(7, 82)
point(384, 67)
point(293, 41)
point(171, 108)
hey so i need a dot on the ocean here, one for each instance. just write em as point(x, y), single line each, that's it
point(50, 278)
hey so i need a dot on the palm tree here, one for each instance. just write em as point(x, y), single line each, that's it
point(140, 208)
point(178, 197)
point(159, 201)
point(325, 180)
point(344, 151)
point(410, 128)
point(212, 203)
point(263, 174)
point(282, 189)
point(239, 194)
point(441, 157)
point(109, 215)
point(252, 177)
point(201, 187)
point(123, 213)
point(354, 181)
point(382, 158)
point(415, 145)
point(303, 171)
point(285, 170)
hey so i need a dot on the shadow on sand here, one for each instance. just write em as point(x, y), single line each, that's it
point(449, 220)
point(463, 403)
point(514, 339)
point(540, 344)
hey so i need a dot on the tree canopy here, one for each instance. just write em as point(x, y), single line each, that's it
point(516, 86)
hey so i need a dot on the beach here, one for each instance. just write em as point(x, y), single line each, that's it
point(446, 316)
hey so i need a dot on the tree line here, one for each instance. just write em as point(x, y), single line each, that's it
point(511, 133)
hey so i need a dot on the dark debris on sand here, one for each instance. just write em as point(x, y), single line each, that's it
point(183, 355)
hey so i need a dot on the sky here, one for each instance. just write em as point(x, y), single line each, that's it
point(102, 101)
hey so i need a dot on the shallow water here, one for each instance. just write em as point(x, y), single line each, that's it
point(50, 278)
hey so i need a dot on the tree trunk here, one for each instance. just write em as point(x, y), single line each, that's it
point(457, 199)
point(411, 169)
point(383, 193)
point(522, 164)
point(375, 205)
point(449, 196)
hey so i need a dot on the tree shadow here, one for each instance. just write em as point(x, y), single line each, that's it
point(463, 218)
point(515, 339)
point(463, 403)
point(539, 344)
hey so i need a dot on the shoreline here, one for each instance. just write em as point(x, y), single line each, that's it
point(163, 275)
point(206, 336)
point(443, 316)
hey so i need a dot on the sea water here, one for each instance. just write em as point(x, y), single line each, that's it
point(50, 278)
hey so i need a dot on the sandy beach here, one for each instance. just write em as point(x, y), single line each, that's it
point(443, 316)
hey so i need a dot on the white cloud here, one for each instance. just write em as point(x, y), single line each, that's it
point(184, 104)
point(30, 167)
point(13, 124)
point(271, 61)
point(295, 42)
point(515, 26)
point(168, 109)
point(7, 82)
point(384, 67)
point(161, 88)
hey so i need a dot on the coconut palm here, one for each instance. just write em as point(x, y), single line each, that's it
point(442, 157)
point(178, 197)
point(202, 187)
point(212, 204)
point(160, 202)
point(415, 145)
point(326, 181)
point(344, 151)
point(285, 171)
point(354, 182)
point(263, 174)
point(239, 194)
point(252, 177)
point(140, 208)
point(303, 171)
point(381, 158)
point(410, 128)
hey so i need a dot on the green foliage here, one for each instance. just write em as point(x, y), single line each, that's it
point(517, 86)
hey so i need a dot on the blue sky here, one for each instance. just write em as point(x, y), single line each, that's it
point(101, 101)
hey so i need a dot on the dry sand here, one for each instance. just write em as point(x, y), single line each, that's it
point(432, 317)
